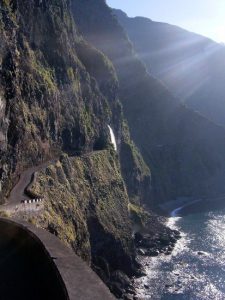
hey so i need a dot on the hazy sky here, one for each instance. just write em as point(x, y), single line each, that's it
point(206, 17)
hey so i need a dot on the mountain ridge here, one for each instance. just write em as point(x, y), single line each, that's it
point(191, 65)
point(155, 117)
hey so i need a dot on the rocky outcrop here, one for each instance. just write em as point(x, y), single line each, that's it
point(183, 149)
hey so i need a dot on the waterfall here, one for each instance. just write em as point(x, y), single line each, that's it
point(113, 139)
point(1, 104)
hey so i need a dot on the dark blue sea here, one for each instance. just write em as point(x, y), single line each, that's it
point(196, 268)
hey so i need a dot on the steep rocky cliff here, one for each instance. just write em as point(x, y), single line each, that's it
point(49, 98)
point(58, 94)
point(135, 171)
point(184, 150)
point(91, 211)
point(51, 102)
point(192, 66)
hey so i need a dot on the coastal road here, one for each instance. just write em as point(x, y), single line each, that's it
point(18, 194)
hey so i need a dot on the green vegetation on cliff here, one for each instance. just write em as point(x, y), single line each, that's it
point(183, 150)
point(58, 94)
point(86, 206)
point(51, 101)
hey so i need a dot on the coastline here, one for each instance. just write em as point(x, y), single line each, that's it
point(152, 246)
point(151, 265)
point(157, 245)
point(171, 273)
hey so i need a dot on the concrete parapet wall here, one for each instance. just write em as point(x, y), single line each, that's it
point(73, 277)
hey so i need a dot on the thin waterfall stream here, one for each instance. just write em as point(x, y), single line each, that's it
point(113, 139)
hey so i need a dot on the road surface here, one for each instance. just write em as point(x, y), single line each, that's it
point(17, 195)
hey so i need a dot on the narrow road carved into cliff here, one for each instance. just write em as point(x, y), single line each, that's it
point(17, 195)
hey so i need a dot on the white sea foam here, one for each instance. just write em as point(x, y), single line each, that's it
point(195, 269)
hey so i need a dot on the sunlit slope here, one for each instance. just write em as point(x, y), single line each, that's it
point(192, 66)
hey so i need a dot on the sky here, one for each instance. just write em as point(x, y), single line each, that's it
point(206, 17)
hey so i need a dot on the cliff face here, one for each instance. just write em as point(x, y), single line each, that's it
point(135, 172)
point(50, 100)
point(58, 94)
point(184, 150)
point(91, 211)
point(192, 66)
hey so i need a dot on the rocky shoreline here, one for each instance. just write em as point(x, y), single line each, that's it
point(159, 243)
point(157, 239)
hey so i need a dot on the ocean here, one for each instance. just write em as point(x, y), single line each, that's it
point(196, 268)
